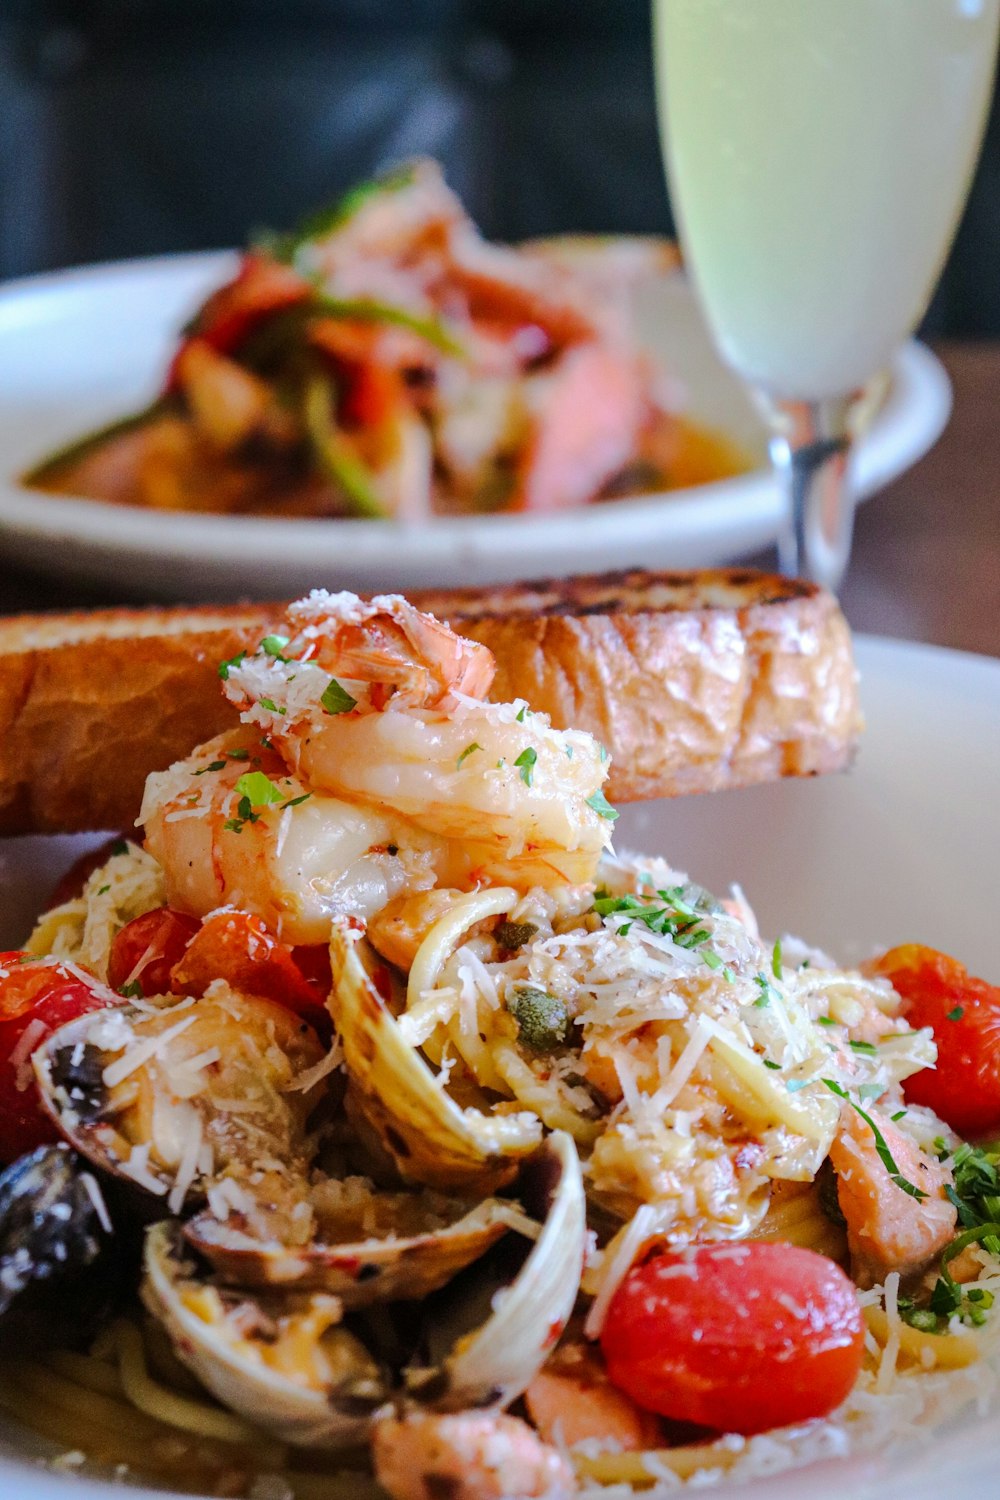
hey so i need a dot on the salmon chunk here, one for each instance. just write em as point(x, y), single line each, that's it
point(888, 1229)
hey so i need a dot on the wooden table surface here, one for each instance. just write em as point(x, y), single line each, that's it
point(926, 561)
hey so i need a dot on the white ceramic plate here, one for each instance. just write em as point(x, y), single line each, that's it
point(82, 347)
point(905, 847)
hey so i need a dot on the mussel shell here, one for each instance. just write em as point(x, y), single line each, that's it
point(360, 1272)
point(59, 1264)
point(291, 1411)
point(429, 1137)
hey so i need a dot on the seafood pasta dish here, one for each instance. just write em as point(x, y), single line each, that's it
point(376, 1127)
point(386, 361)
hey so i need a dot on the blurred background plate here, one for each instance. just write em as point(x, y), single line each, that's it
point(84, 346)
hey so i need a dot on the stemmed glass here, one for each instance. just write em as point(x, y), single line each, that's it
point(819, 154)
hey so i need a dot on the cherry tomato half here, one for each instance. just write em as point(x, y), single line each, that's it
point(42, 996)
point(964, 1014)
point(235, 946)
point(737, 1337)
point(146, 949)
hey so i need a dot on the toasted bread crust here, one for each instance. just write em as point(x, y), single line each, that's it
point(693, 681)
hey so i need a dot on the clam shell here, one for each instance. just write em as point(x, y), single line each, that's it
point(430, 1138)
point(292, 1411)
point(90, 1091)
point(495, 1362)
point(359, 1272)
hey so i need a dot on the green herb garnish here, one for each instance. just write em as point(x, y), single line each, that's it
point(336, 699)
point(956, 1014)
point(776, 959)
point(602, 806)
point(216, 765)
point(234, 661)
point(469, 750)
point(526, 764)
point(131, 991)
point(881, 1145)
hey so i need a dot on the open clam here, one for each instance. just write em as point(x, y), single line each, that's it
point(280, 1360)
point(171, 1097)
point(284, 1359)
point(431, 1139)
point(370, 1246)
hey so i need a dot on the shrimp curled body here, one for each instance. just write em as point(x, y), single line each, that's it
point(395, 776)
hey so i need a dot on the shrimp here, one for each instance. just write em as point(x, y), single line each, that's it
point(294, 861)
point(468, 1456)
point(571, 1400)
point(887, 1228)
point(382, 705)
point(381, 772)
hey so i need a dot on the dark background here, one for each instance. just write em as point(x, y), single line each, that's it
point(133, 127)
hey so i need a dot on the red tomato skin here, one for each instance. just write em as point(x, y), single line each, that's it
point(964, 1087)
point(28, 992)
point(146, 949)
point(238, 947)
point(735, 1337)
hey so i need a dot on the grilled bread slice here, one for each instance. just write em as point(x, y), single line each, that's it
point(693, 681)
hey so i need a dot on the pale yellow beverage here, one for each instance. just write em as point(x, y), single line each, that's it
point(819, 155)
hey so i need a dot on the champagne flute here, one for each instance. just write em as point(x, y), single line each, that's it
point(819, 154)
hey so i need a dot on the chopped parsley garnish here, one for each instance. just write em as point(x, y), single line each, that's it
point(469, 750)
point(519, 716)
point(602, 807)
point(255, 790)
point(336, 699)
point(271, 706)
point(825, 1021)
point(900, 1113)
point(104, 890)
point(526, 764)
point(216, 765)
point(868, 1048)
point(131, 991)
point(669, 913)
point(238, 754)
point(956, 1014)
point(274, 645)
point(776, 959)
point(881, 1144)
point(775, 1067)
point(120, 846)
point(976, 1190)
point(763, 984)
point(234, 661)
point(948, 1297)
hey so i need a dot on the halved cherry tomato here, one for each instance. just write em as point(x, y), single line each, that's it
point(42, 996)
point(964, 1014)
point(237, 947)
point(146, 949)
point(737, 1337)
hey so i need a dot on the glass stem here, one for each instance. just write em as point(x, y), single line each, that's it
point(811, 448)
